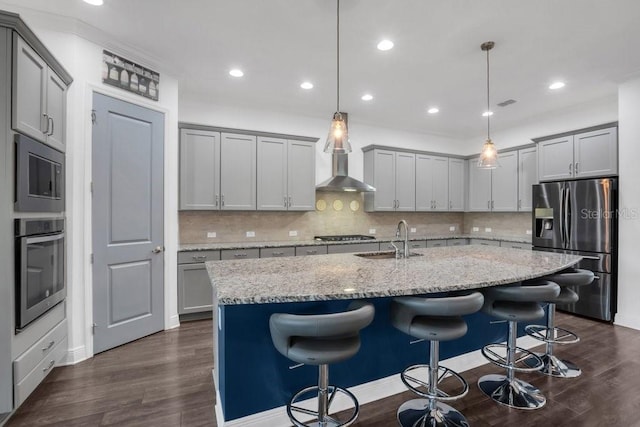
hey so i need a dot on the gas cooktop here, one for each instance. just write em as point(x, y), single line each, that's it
point(344, 238)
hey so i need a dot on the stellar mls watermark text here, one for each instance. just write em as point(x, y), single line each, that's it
point(625, 213)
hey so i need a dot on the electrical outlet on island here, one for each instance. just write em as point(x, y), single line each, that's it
point(251, 234)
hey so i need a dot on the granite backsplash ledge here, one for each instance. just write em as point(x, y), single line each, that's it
point(337, 213)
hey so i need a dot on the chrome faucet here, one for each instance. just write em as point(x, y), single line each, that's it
point(405, 252)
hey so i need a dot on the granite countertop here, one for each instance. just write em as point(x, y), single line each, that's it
point(347, 276)
point(253, 245)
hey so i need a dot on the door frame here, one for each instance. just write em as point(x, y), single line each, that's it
point(170, 227)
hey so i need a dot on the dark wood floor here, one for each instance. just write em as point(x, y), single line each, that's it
point(165, 380)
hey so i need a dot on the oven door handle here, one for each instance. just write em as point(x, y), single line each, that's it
point(41, 239)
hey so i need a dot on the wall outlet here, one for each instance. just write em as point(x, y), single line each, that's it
point(211, 234)
point(452, 228)
point(293, 233)
point(476, 228)
point(372, 231)
point(528, 232)
point(487, 229)
point(251, 234)
point(413, 230)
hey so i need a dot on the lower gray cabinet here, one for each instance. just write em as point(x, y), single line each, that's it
point(311, 250)
point(436, 243)
point(354, 247)
point(515, 245)
point(484, 242)
point(457, 242)
point(195, 294)
point(229, 254)
point(277, 252)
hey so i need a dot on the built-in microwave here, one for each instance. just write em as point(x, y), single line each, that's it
point(39, 176)
point(40, 267)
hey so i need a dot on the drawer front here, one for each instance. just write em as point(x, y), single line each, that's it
point(277, 252)
point(229, 254)
point(353, 247)
point(25, 387)
point(190, 257)
point(436, 243)
point(311, 250)
point(485, 242)
point(39, 351)
point(515, 245)
point(457, 242)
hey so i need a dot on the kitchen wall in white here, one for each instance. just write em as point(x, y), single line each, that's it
point(79, 48)
point(577, 117)
point(197, 111)
point(629, 205)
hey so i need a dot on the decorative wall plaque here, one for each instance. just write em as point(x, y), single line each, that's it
point(127, 75)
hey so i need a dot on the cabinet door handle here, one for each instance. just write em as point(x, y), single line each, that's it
point(285, 201)
point(576, 168)
point(52, 126)
point(289, 201)
point(222, 200)
point(277, 253)
point(48, 347)
point(312, 252)
point(450, 205)
point(519, 203)
point(46, 118)
point(244, 255)
point(492, 204)
point(199, 257)
point(488, 204)
point(570, 168)
point(217, 200)
point(53, 362)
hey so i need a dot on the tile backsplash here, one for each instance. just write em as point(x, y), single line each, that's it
point(342, 213)
point(511, 224)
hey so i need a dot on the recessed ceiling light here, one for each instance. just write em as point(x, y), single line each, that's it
point(306, 85)
point(236, 72)
point(433, 110)
point(556, 85)
point(385, 45)
point(487, 113)
point(367, 97)
point(94, 2)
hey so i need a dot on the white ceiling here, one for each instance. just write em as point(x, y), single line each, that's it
point(593, 45)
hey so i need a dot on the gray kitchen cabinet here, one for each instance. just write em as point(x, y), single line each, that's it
point(195, 294)
point(229, 254)
point(281, 251)
point(432, 183)
point(353, 247)
point(438, 243)
point(286, 174)
point(311, 250)
point(416, 244)
point(457, 242)
point(494, 189)
point(393, 175)
point(237, 171)
point(515, 245)
point(456, 184)
point(39, 97)
point(581, 155)
point(199, 170)
point(484, 242)
point(527, 177)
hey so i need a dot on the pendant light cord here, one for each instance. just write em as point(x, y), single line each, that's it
point(338, 58)
point(488, 103)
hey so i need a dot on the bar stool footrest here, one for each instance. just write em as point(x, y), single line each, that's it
point(495, 358)
point(413, 383)
point(330, 421)
point(561, 336)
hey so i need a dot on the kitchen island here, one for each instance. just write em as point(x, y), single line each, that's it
point(252, 378)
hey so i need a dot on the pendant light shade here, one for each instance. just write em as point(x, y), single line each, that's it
point(338, 138)
point(489, 154)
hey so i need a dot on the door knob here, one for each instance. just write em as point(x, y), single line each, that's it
point(158, 249)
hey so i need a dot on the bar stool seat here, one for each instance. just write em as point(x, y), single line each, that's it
point(514, 303)
point(551, 334)
point(321, 339)
point(437, 318)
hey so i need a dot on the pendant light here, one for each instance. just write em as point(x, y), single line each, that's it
point(338, 138)
point(489, 155)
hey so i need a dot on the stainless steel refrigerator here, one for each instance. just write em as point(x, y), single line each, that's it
point(580, 217)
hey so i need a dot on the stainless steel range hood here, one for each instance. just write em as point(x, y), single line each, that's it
point(340, 179)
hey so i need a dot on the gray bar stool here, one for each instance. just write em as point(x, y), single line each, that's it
point(515, 303)
point(551, 334)
point(434, 319)
point(319, 340)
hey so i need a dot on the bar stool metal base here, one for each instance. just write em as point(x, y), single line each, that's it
point(555, 367)
point(418, 413)
point(513, 393)
point(327, 420)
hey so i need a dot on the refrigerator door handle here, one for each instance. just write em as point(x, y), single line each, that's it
point(568, 216)
point(562, 218)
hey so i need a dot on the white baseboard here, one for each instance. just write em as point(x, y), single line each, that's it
point(174, 322)
point(365, 393)
point(627, 321)
point(75, 355)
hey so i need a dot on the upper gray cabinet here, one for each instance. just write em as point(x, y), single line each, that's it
point(494, 190)
point(393, 175)
point(582, 155)
point(286, 174)
point(527, 177)
point(456, 184)
point(39, 97)
point(199, 169)
point(237, 172)
point(432, 183)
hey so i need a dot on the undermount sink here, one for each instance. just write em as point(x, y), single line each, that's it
point(383, 255)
